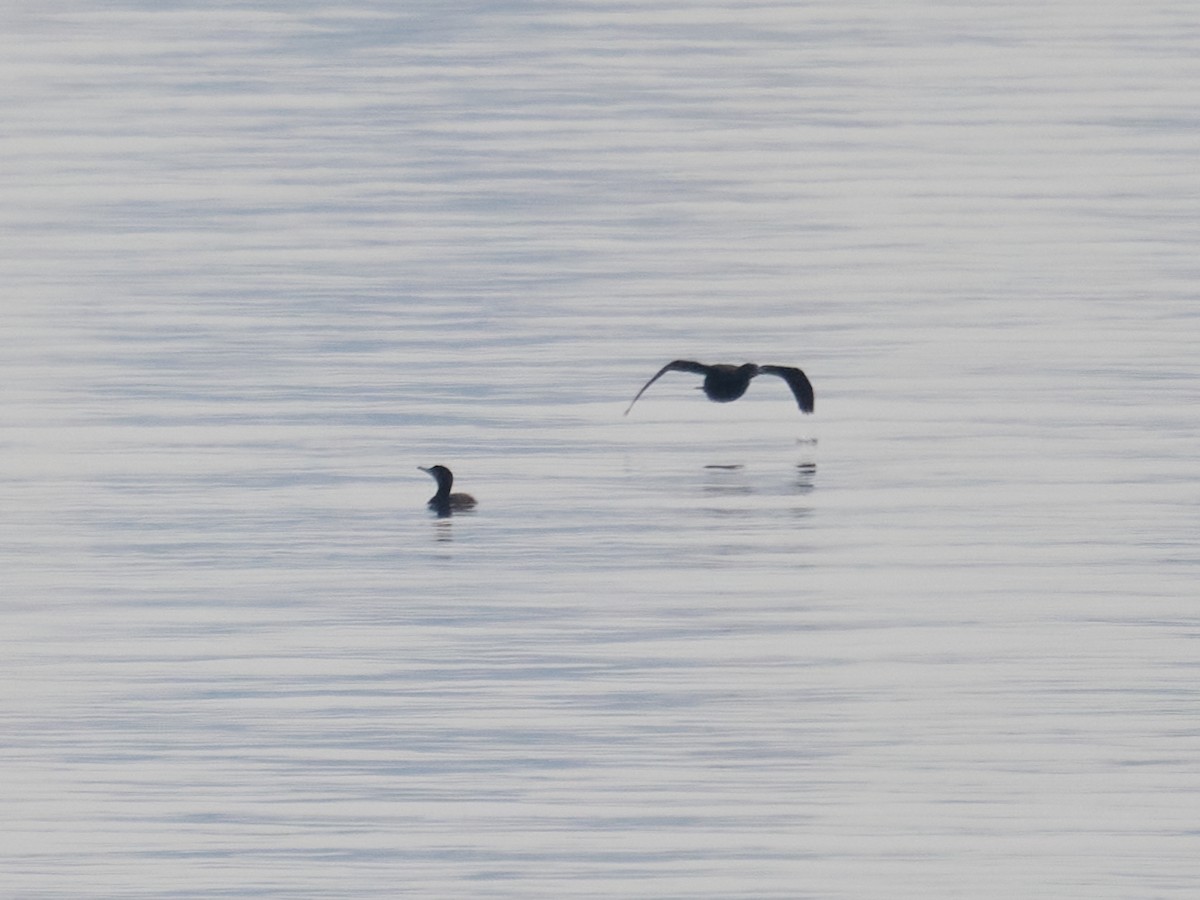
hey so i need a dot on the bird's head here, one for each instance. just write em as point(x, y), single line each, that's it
point(441, 473)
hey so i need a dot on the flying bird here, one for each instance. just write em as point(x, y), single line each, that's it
point(724, 383)
point(444, 502)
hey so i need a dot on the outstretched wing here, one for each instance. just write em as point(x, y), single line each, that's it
point(797, 381)
point(680, 365)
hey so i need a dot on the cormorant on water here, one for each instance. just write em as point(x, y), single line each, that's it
point(724, 382)
point(444, 502)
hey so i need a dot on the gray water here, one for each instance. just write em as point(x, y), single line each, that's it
point(939, 639)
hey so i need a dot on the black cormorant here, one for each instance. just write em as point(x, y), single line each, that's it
point(444, 502)
point(724, 382)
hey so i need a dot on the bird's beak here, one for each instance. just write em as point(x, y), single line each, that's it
point(423, 469)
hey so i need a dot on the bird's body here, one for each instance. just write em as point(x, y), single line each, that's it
point(724, 383)
point(444, 502)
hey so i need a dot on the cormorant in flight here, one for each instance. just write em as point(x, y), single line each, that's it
point(724, 383)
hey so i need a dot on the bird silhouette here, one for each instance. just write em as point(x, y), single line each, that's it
point(444, 502)
point(724, 383)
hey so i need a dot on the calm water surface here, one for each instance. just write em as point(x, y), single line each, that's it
point(939, 639)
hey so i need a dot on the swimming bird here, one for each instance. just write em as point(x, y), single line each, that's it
point(444, 502)
point(724, 383)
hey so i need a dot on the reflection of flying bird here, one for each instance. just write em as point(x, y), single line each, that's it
point(723, 382)
point(444, 502)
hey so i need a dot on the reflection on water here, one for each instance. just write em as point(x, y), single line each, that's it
point(443, 530)
point(726, 480)
point(806, 476)
point(262, 261)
